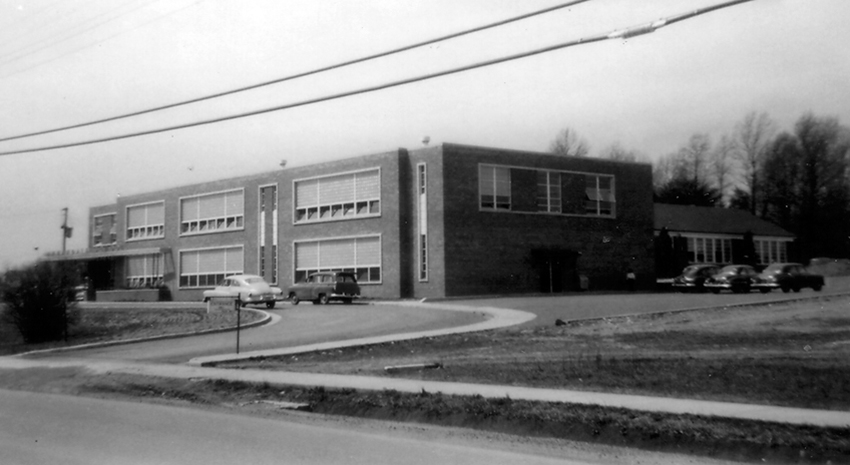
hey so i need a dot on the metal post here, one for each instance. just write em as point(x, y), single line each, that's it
point(238, 303)
point(64, 228)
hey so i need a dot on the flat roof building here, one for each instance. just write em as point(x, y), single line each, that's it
point(441, 221)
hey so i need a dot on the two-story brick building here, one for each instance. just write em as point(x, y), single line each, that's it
point(441, 221)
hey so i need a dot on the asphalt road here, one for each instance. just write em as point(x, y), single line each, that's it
point(298, 325)
point(45, 428)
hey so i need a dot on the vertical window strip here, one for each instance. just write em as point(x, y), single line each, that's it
point(423, 221)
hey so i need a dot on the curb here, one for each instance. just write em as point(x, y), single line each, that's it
point(94, 345)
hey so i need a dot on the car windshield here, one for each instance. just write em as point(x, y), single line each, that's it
point(774, 269)
point(728, 270)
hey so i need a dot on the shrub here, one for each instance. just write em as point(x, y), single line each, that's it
point(39, 300)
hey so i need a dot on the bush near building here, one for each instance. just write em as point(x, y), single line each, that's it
point(39, 300)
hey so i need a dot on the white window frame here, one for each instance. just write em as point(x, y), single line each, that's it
point(216, 275)
point(349, 210)
point(113, 231)
point(146, 231)
point(214, 224)
point(491, 180)
point(306, 271)
point(151, 275)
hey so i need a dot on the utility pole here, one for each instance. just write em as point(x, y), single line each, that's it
point(66, 231)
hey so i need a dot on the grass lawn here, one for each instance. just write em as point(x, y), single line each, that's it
point(98, 324)
point(790, 354)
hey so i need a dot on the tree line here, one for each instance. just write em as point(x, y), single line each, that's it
point(796, 178)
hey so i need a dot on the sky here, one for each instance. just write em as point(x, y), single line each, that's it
point(65, 62)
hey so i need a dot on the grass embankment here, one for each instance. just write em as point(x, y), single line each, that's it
point(119, 324)
point(791, 354)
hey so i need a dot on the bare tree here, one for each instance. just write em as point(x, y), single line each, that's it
point(569, 144)
point(695, 156)
point(663, 170)
point(616, 151)
point(722, 165)
point(753, 137)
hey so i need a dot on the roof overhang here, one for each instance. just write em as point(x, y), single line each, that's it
point(103, 254)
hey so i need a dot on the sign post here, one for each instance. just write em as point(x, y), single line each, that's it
point(238, 304)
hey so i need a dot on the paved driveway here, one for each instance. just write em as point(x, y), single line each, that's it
point(583, 306)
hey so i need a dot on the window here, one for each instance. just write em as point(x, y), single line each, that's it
point(146, 221)
point(206, 267)
point(337, 197)
point(144, 271)
point(494, 187)
point(360, 255)
point(549, 191)
point(771, 251)
point(103, 230)
point(599, 195)
point(709, 250)
point(422, 176)
point(220, 211)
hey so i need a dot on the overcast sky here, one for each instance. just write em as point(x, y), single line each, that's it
point(71, 61)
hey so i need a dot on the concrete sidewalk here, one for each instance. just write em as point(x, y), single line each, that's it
point(784, 415)
point(499, 318)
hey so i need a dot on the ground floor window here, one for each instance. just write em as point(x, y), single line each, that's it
point(207, 267)
point(709, 250)
point(143, 271)
point(359, 255)
point(771, 251)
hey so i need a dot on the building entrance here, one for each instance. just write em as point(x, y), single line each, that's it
point(557, 269)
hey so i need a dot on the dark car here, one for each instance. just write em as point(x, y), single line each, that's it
point(788, 277)
point(322, 287)
point(735, 278)
point(693, 277)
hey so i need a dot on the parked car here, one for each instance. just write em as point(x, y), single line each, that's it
point(693, 277)
point(735, 278)
point(322, 287)
point(251, 289)
point(788, 277)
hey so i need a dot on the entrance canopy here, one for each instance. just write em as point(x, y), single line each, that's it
point(90, 254)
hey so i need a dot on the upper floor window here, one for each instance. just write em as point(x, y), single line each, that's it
point(494, 186)
point(146, 221)
point(341, 196)
point(104, 231)
point(220, 211)
point(599, 193)
point(549, 191)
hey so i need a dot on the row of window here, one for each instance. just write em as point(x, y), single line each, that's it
point(206, 267)
point(719, 250)
point(527, 190)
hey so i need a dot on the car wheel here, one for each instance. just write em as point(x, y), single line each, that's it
point(796, 289)
point(323, 299)
point(817, 287)
point(294, 299)
point(786, 289)
point(269, 304)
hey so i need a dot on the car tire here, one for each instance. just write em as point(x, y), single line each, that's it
point(796, 288)
point(270, 305)
point(323, 299)
point(293, 299)
point(786, 289)
point(817, 287)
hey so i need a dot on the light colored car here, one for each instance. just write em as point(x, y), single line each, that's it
point(251, 289)
point(324, 286)
point(693, 277)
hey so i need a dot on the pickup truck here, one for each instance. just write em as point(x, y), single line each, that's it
point(322, 287)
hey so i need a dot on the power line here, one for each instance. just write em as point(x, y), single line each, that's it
point(300, 75)
point(618, 34)
point(101, 40)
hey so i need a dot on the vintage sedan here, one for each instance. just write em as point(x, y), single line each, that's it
point(788, 277)
point(735, 278)
point(250, 289)
point(693, 277)
point(322, 287)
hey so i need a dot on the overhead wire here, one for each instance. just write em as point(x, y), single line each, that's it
point(92, 44)
point(303, 74)
point(617, 34)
